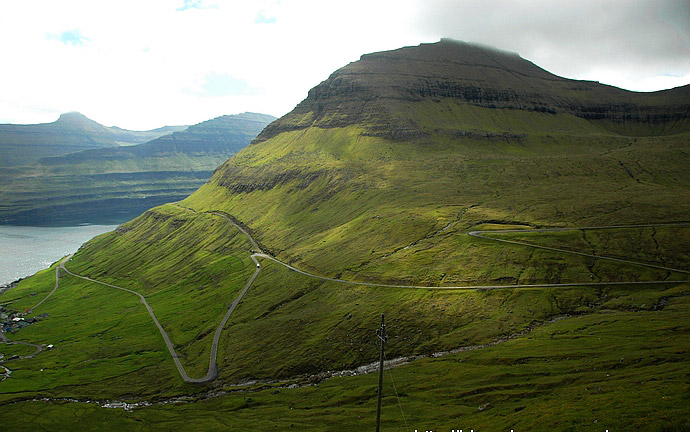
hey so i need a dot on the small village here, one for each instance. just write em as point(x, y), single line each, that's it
point(11, 321)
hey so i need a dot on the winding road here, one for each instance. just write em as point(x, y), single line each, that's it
point(212, 365)
point(38, 347)
point(57, 277)
point(212, 372)
point(3, 339)
point(481, 234)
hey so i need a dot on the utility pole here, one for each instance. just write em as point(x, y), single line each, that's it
point(381, 333)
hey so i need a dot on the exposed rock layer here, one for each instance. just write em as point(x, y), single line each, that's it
point(364, 91)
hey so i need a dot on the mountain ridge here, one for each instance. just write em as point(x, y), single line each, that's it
point(364, 120)
point(79, 186)
point(209, 136)
point(22, 144)
point(477, 75)
point(76, 118)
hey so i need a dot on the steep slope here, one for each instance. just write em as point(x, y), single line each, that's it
point(87, 184)
point(392, 149)
point(364, 183)
point(24, 144)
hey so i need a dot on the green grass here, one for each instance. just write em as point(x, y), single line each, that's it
point(349, 201)
point(10, 350)
point(103, 335)
point(377, 210)
point(288, 324)
point(574, 374)
point(340, 202)
point(97, 335)
point(664, 246)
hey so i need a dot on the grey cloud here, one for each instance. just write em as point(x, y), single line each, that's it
point(571, 38)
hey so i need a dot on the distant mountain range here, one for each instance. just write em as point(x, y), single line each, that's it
point(23, 144)
point(223, 135)
point(106, 178)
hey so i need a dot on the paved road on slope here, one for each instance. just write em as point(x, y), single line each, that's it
point(467, 287)
point(212, 372)
point(38, 347)
point(481, 234)
point(57, 277)
point(253, 242)
point(213, 368)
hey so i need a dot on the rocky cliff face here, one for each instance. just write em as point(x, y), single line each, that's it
point(365, 91)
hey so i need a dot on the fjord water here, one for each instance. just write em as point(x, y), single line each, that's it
point(24, 250)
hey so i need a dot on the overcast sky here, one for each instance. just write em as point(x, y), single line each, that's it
point(144, 64)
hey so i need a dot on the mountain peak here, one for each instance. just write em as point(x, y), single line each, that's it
point(365, 91)
point(447, 49)
point(72, 115)
point(374, 91)
point(447, 61)
point(74, 118)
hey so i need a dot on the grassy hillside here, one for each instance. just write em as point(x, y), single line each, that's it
point(339, 201)
point(291, 328)
point(574, 374)
point(83, 186)
point(362, 184)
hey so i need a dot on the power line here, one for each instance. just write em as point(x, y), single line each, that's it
point(396, 395)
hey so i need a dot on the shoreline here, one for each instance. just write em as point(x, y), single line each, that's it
point(9, 285)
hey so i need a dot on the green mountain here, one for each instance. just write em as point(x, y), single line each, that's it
point(393, 148)
point(85, 185)
point(72, 132)
point(525, 236)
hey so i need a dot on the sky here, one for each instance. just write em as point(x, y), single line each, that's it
point(145, 64)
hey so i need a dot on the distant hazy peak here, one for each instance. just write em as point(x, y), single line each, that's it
point(249, 116)
point(73, 116)
point(78, 120)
